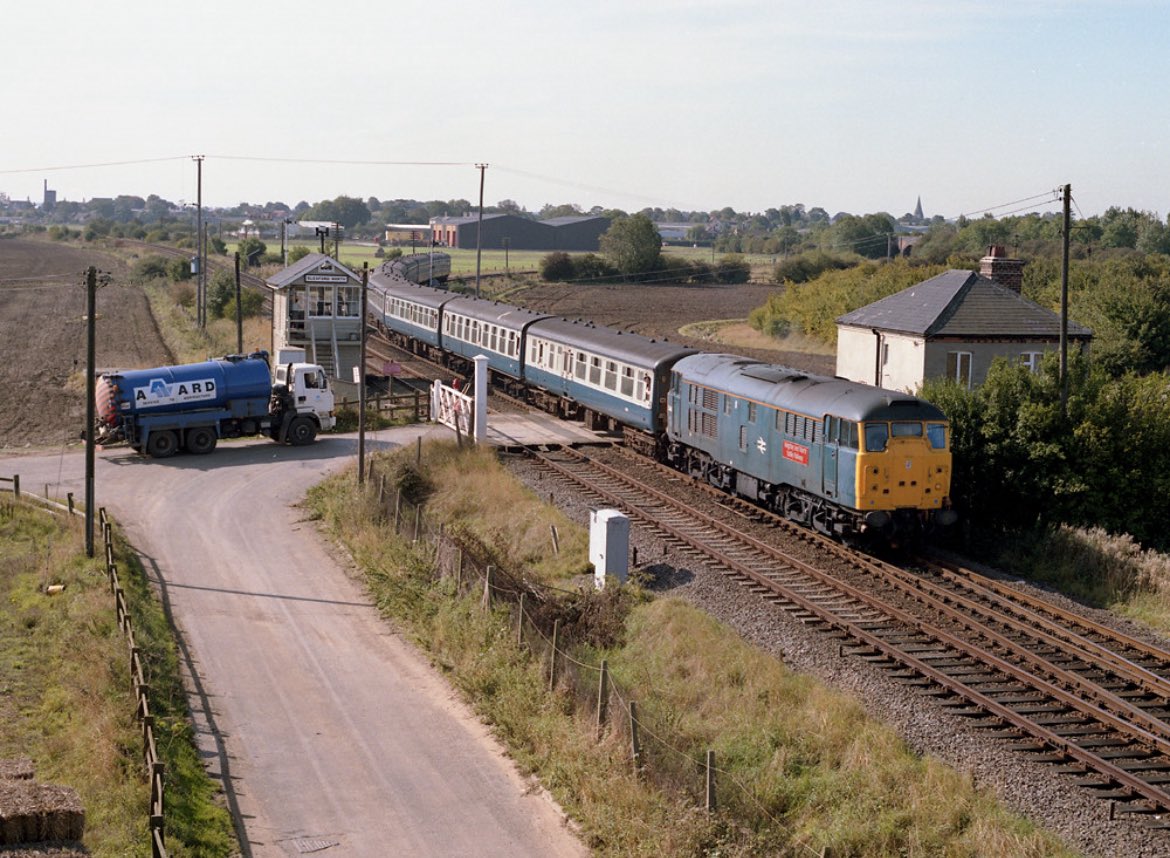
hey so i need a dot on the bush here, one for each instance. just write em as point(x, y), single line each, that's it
point(809, 266)
point(183, 294)
point(733, 268)
point(180, 269)
point(151, 267)
point(557, 267)
point(253, 303)
point(295, 254)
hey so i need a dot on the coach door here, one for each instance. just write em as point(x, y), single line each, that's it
point(830, 453)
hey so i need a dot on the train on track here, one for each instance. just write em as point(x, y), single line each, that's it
point(846, 459)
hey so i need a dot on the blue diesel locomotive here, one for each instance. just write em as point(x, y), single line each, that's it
point(841, 457)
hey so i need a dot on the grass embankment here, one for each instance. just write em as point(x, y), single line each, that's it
point(187, 343)
point(817, 770)
point(66, 701)
point(1100, 569)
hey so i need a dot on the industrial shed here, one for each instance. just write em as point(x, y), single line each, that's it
point(519, 233)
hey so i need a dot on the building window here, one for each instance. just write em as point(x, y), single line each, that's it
point(1031, 360)
point(959, 368)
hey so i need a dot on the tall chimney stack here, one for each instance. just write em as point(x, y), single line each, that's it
point(1001, 268)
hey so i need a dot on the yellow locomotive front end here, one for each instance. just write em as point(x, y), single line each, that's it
point(903, 474)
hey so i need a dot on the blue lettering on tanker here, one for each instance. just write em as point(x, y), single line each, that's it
point(158, 392)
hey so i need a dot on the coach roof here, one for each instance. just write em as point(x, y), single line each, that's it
point(793, 390)
point(619, 345)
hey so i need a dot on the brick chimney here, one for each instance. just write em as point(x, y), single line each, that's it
point(1000, 268)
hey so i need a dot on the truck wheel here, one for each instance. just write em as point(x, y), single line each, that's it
point(162, 444)
point(201, 440)
point(301, 431)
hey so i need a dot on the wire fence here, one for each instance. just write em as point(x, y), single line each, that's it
point(657, 753)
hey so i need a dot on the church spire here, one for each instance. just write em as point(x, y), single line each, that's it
point(918, 209)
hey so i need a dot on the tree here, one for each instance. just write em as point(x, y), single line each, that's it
point(633, 245)
point(557, 267)
point(251, 250)
point(349, 212)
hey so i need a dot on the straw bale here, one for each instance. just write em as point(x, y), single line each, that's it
point(33, 812)
point(17, 769)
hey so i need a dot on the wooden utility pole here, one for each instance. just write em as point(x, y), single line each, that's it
point(479, 226)
point(200, 278)
point(1067, 193)
point(239, 310)
point(362, 377)
point(90, 405)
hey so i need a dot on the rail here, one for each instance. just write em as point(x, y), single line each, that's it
point(1010, 677)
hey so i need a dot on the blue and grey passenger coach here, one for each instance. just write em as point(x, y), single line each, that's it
point(609, 378)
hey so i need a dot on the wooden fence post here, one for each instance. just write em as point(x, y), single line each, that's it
point(635, 745)
point(397, 511)
point(417, 521)
point(69, 497)
point(520, 622)
point(16, 486)
point(418, 450)
point(487, 588)
point(555, 539)
point(552, 667)
point(603, 696)
point(710, 781)
point(459, 571)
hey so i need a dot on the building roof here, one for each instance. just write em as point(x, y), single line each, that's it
point(569, 220)
point(964, 304)
point(288, 276)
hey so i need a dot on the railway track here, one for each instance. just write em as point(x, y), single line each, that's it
point(1092, 703)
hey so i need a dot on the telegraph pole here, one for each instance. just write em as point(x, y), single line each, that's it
point(200, 280)
point(1065, 232)
point(362, 379)
point(91, 286)
point(479, 227)
point(239, 311)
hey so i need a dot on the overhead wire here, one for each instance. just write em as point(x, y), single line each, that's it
point(1048, 196)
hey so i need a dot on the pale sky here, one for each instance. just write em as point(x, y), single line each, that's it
point(850, 105)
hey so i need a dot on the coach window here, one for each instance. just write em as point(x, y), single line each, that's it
point(876, 437)
point(627, 381)
point(936, 433)
point(595, 371)
point(728, 404)
point(582, 366)
point(610, 375)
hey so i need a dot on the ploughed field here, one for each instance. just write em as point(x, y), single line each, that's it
point(660, 310)
point(43, 337)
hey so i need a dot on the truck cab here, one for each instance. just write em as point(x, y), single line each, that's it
point(308, 390)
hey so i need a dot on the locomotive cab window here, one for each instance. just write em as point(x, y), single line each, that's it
point(906, 429)
point(936, 433)
point(877, 435)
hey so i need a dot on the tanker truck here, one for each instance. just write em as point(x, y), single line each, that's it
point(190, 407)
